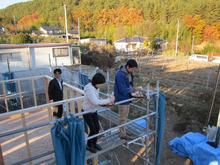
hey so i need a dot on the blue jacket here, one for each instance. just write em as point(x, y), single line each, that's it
point(122, 87)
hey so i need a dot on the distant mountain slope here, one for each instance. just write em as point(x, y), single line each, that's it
point(163, 10)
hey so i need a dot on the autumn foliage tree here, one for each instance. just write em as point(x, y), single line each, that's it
point(123, 15)
point(200, 29)
point(12, 28)
point(211, 32)
point(25, 23)
point(196, 24)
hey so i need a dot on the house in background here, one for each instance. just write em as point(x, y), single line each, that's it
point(32, 56)
point(46, 31)
point(73, 34)
point(129, 44)
point(95, 41)
point(35, 32)
point(136, 43)
point(163, 43)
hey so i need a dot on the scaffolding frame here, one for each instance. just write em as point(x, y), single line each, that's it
point(142, 133)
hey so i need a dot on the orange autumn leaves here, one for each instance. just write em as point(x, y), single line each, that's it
point(91, 20)
point(121, 16)
point(106, 17)
point(200, 29)
point(27, 22)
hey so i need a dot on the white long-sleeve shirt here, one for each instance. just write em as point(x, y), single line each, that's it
point(91, 98)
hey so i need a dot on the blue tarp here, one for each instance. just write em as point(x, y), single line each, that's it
point(83, 78)
point(10, 89)
point(161, 123)
point(194, 146)
point(69, 141)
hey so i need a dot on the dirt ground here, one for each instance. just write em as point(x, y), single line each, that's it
point(188, 86)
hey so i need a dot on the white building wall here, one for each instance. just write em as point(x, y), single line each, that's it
point(44, 55)
point(87, 40)
point(33, 58)
point(22, 64)
point(42, 30)
point(121, 46)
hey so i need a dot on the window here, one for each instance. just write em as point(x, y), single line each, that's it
point(15, 56)
point(76, 55)
point(60, 52)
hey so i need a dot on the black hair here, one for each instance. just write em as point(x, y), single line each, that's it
point(98, 78)
point(57, 70)
point(132, 63)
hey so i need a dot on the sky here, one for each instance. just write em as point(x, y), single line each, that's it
point(6, 3)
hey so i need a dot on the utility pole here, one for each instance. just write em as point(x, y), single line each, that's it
point(105, 38)
point(15, 25)
point(78, 29)
point(193, 45)
point(178, 24)
point(67, 38)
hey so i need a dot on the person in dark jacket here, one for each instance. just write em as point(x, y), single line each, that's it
point(55, 91)
point(122, 91)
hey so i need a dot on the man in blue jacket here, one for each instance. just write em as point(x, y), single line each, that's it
point(122, 91)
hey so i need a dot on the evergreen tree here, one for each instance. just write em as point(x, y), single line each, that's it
point(21, 38)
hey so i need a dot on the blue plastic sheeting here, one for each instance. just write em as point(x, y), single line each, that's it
point(141, 122)
point(194, 146)
point(69, 141)
point(161, 123)
point(10, 87)
point(83, 78)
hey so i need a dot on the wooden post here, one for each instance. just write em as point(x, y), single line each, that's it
point(20, 94)
point(217, 140)
point(26, 137)
point(79, 103)
point(1, 156)
point(213, 98)
point(34, 93)
point(95, 160)
point(5, 98)
point(46, 89)
point(72, 104)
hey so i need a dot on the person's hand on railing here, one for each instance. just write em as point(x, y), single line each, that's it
point(112, 99)
point(139, 88)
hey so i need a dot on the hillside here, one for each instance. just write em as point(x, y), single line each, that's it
point(118, 19)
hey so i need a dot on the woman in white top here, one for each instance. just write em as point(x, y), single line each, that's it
point(91, 101)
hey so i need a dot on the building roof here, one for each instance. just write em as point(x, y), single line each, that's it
point(132, 39)
point(49, 28)
point(36, 31)
point(11, 46)
point(159, 39)
point(73, 31)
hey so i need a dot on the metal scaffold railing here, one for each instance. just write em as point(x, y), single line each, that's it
point(38, 119)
